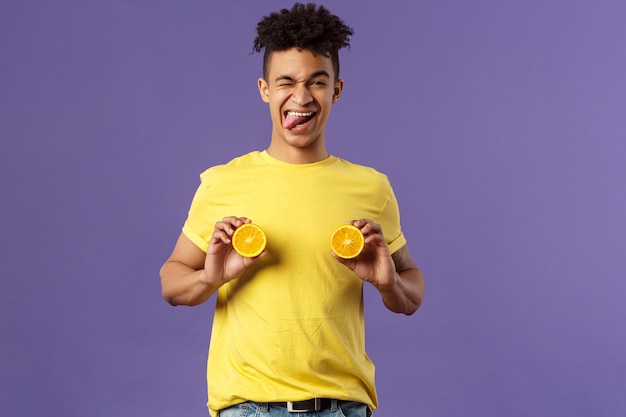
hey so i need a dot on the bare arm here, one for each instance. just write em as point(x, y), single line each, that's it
point(396, 277)
point(190, 276)
point(407, 293)
point(183, 280)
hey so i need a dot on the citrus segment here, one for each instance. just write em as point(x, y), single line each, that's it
point(347, 241)
point(249, 240)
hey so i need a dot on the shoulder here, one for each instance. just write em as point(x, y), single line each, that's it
point(246, 161)
point(365, 172)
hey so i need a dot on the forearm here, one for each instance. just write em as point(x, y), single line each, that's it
point(182, 285)
point(406, 293)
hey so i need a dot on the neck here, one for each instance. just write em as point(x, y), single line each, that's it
point(298, 155)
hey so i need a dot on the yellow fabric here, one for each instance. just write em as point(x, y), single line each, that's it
point(291, 328)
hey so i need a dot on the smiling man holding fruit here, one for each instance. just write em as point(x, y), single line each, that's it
point(288, 332)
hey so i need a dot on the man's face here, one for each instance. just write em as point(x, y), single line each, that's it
point(300, 90)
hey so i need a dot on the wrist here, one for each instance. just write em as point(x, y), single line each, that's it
point(208, 281)
point(388, 286)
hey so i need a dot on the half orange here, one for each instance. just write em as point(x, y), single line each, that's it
point(347, 241)
point(249, 240)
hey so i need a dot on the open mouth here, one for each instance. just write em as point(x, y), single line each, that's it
point(295, 119)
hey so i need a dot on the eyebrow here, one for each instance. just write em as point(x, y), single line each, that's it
point(320, 73)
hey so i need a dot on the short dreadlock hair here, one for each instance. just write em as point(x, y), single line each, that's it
point(304, 27)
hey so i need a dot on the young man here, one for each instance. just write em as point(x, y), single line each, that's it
point(288, 331)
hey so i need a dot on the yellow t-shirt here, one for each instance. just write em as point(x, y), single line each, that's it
point(292, 327)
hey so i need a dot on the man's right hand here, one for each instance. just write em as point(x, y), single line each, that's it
point(222, 263)
point(190, 276)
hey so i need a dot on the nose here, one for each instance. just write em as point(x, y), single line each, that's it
point(301, 94)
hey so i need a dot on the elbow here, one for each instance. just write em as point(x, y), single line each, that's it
point(414, 303)
point(169, 299)
point(175, 298)
point(168, 296)
point(166, 293)
point(412, 293)
point(412, 307)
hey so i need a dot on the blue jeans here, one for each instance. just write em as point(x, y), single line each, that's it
point(252, 409)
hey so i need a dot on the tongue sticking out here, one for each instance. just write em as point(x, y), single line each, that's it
point(292, 121)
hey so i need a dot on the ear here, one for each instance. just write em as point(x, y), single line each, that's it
point(338, 90)
point(264, 90)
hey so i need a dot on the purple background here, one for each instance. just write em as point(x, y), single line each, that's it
point(501, 124)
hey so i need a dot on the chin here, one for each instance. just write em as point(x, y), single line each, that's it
point(301, 140)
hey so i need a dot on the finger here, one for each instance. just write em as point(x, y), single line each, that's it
point(231, 223)
point(375, 239)
point(358, 223)
point(368, 227)
point(224, 227)
point(220, 235)
point(238, 221)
